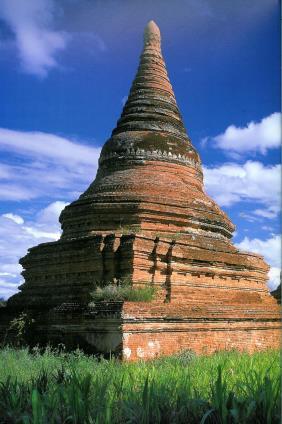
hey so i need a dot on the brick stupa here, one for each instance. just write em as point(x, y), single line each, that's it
point(146, 218)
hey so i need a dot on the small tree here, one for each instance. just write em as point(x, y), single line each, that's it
point(21, 328)
point(3, 302)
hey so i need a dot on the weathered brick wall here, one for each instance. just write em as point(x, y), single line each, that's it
point(164, 329)
point(215, 298)
point(68, 271)
point(201, 338)
point(146, 217)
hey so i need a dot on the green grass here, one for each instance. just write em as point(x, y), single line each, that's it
point(57, 387)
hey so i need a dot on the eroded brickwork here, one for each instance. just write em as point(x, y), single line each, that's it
point(146, 218)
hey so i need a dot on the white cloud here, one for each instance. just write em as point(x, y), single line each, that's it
point(231, 183)
point(7, 289)
point(37, 41)
point(16, 218)
point(271, 250)
point(39, 234)
point(49, 146)
point(50, 214)
point(254, 137)
point(50, 165)
point(17, 236)
point(274, 278)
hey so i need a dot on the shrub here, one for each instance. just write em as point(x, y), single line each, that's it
point(123, 292)
point(130, 229)
point(21, 327)
point(3, 302)
point(185, 356)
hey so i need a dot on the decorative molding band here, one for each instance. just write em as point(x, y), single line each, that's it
point(158, 155)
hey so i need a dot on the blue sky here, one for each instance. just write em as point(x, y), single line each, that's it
point(66, 68)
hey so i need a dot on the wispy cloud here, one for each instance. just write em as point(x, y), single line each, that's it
point(49, 146)
point(15, 218)
point(254, 137)
point(269, 212)
point(49, 166)
point(232, 183)
point(89, 41)
point(32, 23)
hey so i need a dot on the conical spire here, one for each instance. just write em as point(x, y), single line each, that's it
point(152, 35)
point(149, 174)
point(151, 104)
point(150, 126)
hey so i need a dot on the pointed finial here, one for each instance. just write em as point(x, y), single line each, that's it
point(152, 33)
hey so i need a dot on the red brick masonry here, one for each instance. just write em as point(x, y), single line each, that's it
point(146, 218)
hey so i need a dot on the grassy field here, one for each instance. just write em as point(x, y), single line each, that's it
point(57, 387)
